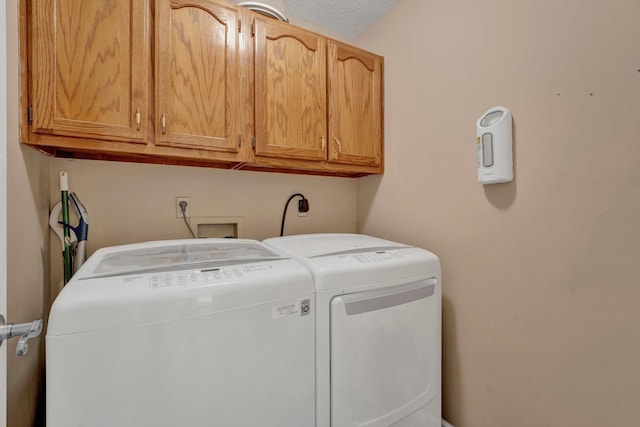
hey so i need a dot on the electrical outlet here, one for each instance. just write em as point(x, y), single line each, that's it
point(303, 207)
point(187, 211)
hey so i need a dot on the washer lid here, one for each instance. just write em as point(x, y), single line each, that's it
point(179, 255)
point(154, 282)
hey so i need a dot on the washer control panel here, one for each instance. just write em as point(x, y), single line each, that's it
point(203, 277)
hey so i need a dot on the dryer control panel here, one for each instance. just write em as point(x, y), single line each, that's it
point(369, 257)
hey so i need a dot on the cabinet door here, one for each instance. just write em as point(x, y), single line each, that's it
point(198, 83)
point(355, 105)
point(90, 68)
point(290, 91)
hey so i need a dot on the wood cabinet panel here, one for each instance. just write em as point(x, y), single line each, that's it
point(90, 68)
point(355, 106)
point(198, 74)
point(290, 91)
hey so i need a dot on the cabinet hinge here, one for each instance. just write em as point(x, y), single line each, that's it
point(253, 30)
point(253, 142)
point(30, 115)
point(239, 25)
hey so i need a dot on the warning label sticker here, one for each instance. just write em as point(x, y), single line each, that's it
point(300, 308)
point(285, 310)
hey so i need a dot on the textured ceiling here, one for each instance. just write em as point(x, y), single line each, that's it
point(345, 17)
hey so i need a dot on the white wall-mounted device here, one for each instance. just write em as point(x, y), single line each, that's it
point(495, 146)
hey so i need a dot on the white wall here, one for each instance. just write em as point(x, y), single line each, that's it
point(540, 276)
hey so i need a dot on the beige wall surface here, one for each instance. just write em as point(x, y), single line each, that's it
point(27, 252)
point(130, 203)
point(541, 312)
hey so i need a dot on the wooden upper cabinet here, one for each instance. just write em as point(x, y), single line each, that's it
point(290, 91)
point(197, 56)
point(355, 106)
point(90, 68)
point(191, 82)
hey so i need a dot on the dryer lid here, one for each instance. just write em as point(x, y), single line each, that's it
point(319, 245)
point(340, 261)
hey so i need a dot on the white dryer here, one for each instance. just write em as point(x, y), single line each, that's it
point(209, 332)
point(378, 329)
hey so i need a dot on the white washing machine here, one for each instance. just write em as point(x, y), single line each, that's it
point(209, 332)
point(378, 329)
